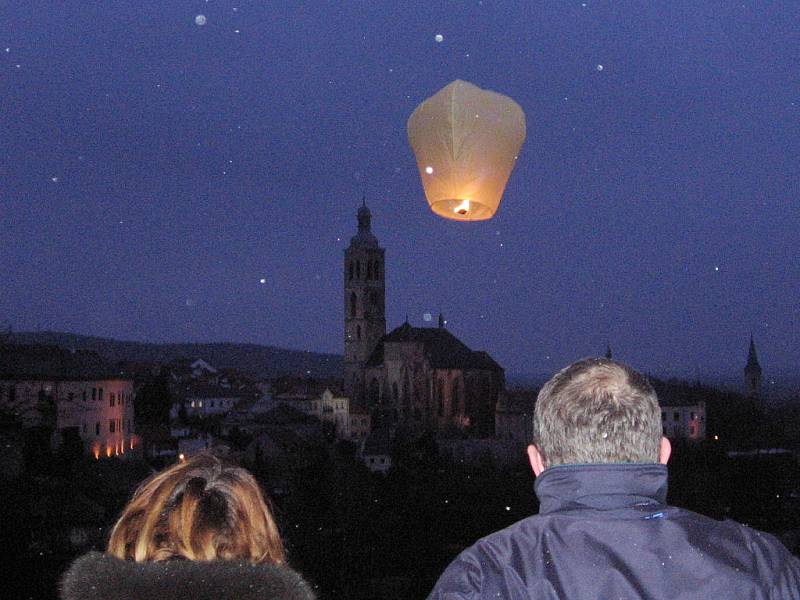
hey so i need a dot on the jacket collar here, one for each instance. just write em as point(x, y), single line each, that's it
point(639, 488)
point(96, 576)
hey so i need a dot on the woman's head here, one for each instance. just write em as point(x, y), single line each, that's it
point(200, 509)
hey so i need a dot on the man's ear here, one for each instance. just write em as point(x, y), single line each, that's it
point(536, 459)
point(664, 451)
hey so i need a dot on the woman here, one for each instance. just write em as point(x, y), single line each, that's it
point(199, 529)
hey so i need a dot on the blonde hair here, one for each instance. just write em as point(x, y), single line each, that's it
point(200, 509)
point(597, 411)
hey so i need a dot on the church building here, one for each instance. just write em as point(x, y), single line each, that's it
point(419, 378)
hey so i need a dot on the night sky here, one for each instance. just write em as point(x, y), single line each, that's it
point(154, 171)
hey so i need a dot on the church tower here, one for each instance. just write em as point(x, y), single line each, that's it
point(752, 373)
point(364, 304)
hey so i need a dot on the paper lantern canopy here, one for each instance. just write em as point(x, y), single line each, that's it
point(466, 141)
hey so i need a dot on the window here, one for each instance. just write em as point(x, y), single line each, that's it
point(94, 393)
point(454, 399)
point(676, 416)
point(97, 428)
point(369, 269)
point(358, 332)
point(358, 269)
point(191, 404)
point(693, 416)
point(71, 396)
point(111, 399)
point(84, 395)
point(351, 270)
point(111, 424)
point(353, 302)
point(394, 393)
point(663, 416)
point(12, 394)
point(100, 394)
point(377, 270)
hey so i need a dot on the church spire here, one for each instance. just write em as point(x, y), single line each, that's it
point(752, 372)
point(752, 357)
point(364, 217)
point(441, 320)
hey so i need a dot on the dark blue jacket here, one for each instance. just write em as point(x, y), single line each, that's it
point(605, 532)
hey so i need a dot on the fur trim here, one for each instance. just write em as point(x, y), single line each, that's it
point(97, 576)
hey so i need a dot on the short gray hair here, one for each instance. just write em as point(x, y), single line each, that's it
point(597, 411)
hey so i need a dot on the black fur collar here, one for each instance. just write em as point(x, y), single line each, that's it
point(97, 576)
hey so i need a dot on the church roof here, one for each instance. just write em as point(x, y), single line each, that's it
point(442, 349)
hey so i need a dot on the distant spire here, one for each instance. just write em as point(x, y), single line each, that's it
point(752, 357)
point(752, 372)
point(441, 320)
point(406, 319)
point(609, 354)
point(364, 200)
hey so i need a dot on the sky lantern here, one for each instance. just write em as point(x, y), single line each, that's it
point(466, 141)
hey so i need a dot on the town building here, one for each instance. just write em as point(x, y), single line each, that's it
point(331, 410)
point(75, 395)
point(681, 420)
point(513, 416)
point(419, 378)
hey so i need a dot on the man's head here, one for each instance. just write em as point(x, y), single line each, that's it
point(597, 411)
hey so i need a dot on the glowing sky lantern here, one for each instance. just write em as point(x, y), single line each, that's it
point(466, 141)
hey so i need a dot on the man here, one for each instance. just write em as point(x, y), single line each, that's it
point(604, 530)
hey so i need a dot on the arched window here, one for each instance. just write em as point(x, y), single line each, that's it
point(369, 269)
point(358, 332)
point(377, 270)
point(353, 302)
point(454, 398)
point(351, 269)
point(358, 269)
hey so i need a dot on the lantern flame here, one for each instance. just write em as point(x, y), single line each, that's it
point(463, 208)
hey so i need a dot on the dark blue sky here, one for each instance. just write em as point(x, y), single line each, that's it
point(154, 171)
